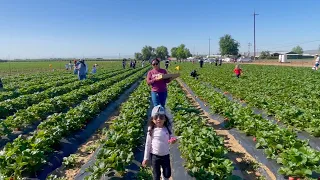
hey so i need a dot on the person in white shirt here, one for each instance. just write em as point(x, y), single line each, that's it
point(316, 61)
point(159, 137)
point(70, 66)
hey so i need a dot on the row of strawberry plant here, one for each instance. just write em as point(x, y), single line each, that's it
point(40, 111)
point(288, 93)
point(22, 157)
point(35, 88)
point(21, 78)
point(16, 84)
point(49, 82)
point(123, 136)
point(39, 78)
point(296, 156)
point(13, 83)
point(11, 106)
point(200, 146)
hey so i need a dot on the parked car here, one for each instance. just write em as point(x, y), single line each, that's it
point(244, 59)
point(227, 60)
point(209, 61)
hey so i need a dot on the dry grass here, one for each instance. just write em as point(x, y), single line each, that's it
point(291, 62)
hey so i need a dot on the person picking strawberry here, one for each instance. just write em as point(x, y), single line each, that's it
point(237, 70)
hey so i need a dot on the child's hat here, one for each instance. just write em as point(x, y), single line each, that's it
point(158, 110)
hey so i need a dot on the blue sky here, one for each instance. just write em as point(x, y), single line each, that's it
point(76, 28)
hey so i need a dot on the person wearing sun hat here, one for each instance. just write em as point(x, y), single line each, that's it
point(159, 90)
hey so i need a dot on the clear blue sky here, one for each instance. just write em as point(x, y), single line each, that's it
point(76, 28)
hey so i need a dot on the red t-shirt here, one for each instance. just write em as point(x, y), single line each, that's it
point(237, 71)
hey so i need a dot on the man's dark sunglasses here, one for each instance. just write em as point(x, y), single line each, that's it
point(154, 64)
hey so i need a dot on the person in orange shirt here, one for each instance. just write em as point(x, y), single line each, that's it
point(237, 70)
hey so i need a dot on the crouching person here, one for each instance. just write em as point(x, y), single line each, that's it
point(194, 74)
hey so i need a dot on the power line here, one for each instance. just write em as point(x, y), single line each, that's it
point(293, 44)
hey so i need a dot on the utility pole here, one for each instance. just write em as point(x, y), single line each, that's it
point(254, 34)
point(119, 56)
point(209, 47)
point(249, 45)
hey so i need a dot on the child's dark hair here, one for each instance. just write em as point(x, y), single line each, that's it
point(152, 125)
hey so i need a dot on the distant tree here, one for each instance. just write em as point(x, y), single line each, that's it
point(228, 46)
point(138, 56)
point(174, 52)
point(187, 52)
point(147, 52)
point(297, 50)
point(162, 52)
point(264, 54)
point(180, 52)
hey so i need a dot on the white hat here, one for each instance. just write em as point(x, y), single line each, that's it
point(158, 110)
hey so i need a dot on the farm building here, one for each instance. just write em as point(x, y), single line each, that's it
point(291, 55)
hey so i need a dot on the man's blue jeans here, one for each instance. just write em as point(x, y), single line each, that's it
point(159, 98)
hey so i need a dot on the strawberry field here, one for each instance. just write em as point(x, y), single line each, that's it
point(264, 125)
point(275, 106)
point(38, 111)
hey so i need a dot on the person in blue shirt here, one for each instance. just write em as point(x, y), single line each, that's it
point(82, 70)
point(94, 69)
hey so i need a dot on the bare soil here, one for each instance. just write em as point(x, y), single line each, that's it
point(245, 162)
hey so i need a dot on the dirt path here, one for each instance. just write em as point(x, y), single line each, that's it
point(244, 161)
